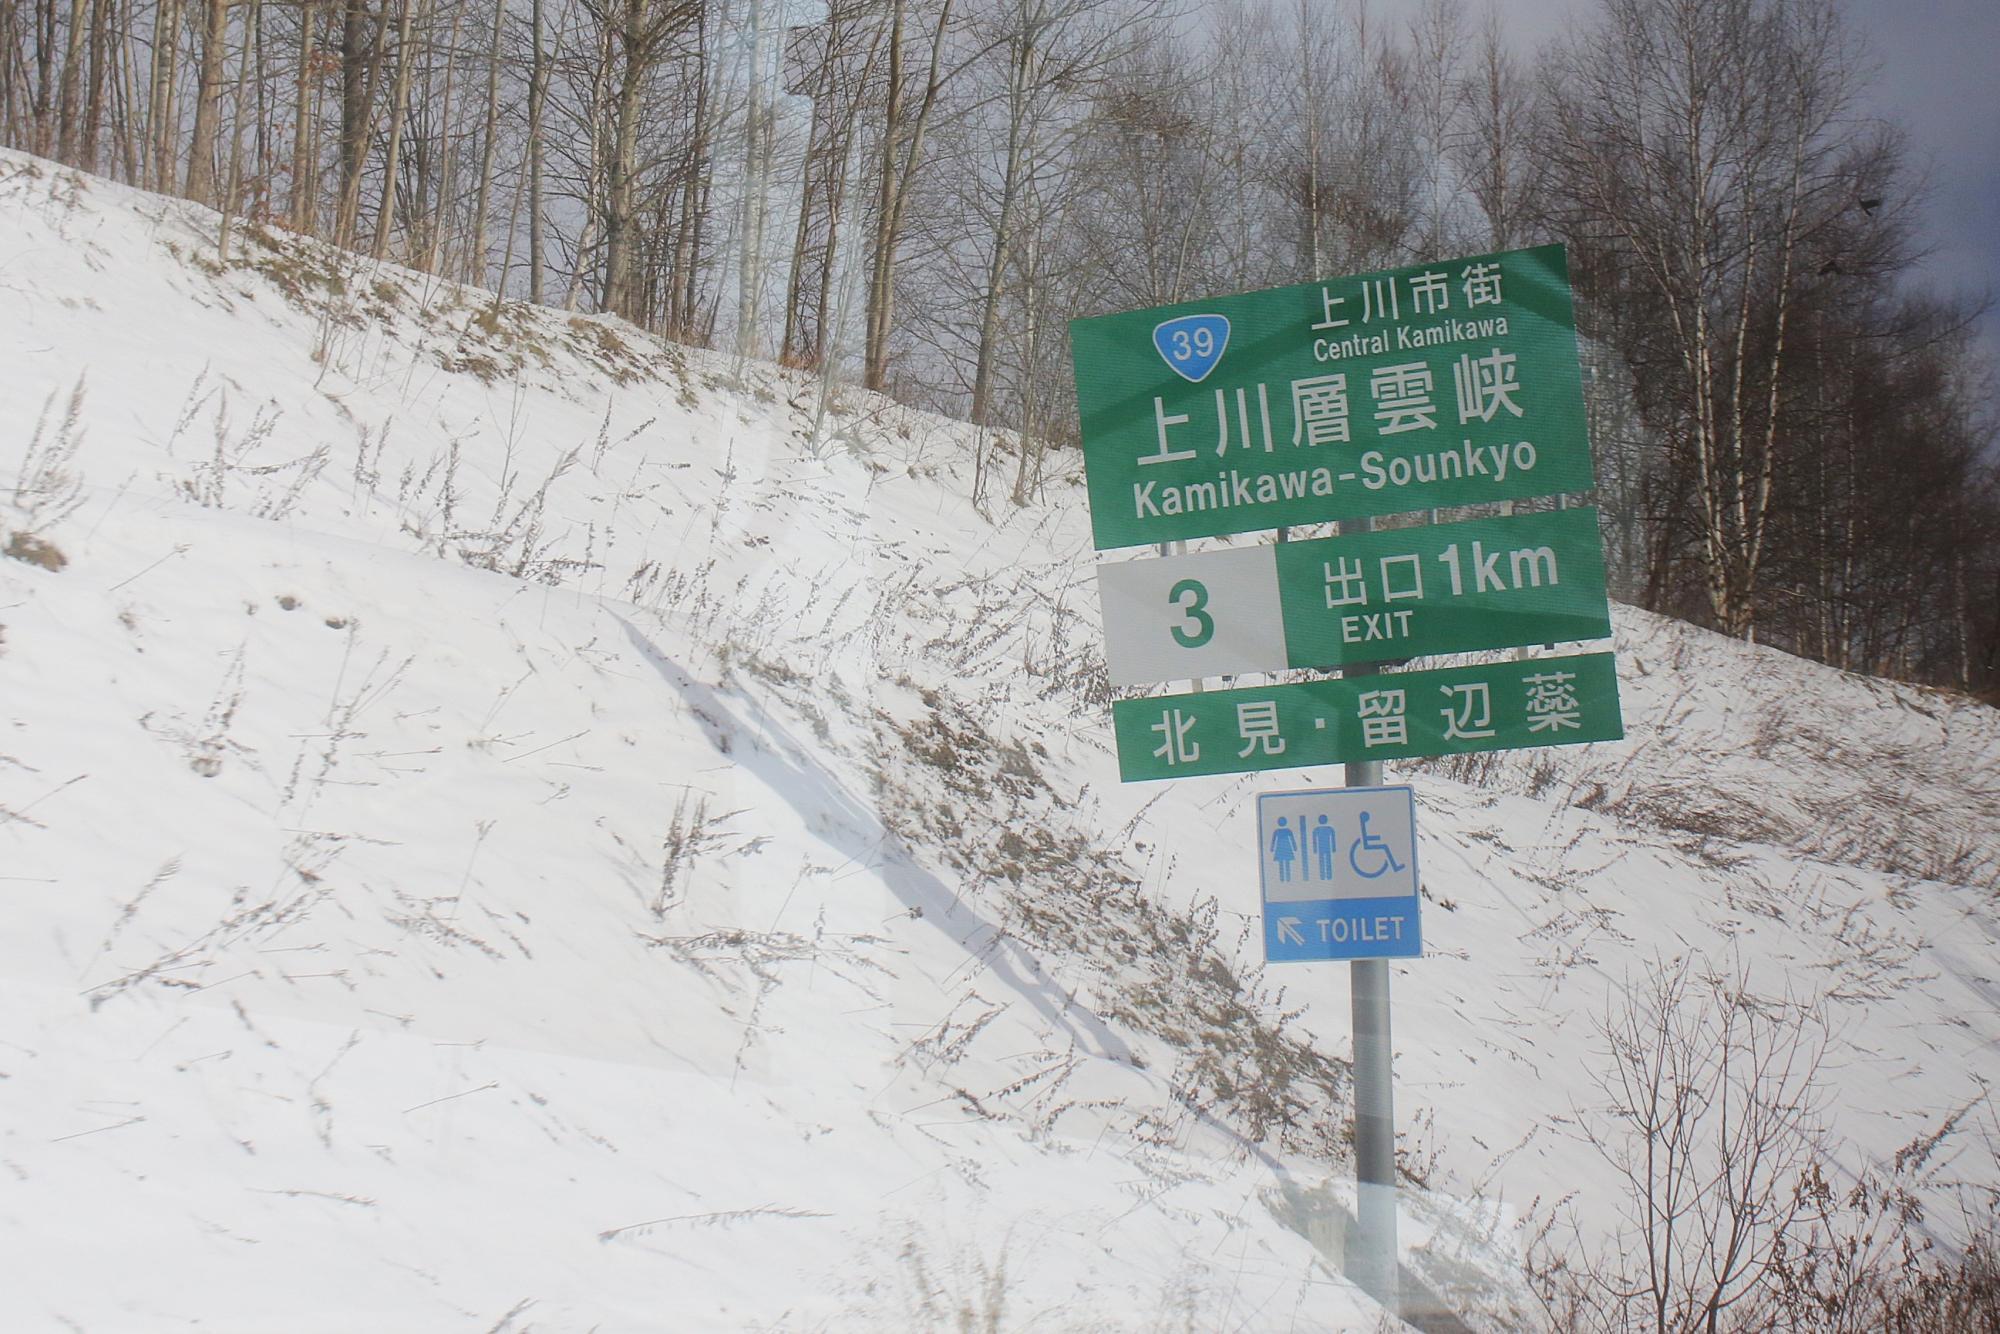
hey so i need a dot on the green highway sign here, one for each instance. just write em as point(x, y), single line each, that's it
point(1391, 593)
point(1490, 706)
point(1440, 384)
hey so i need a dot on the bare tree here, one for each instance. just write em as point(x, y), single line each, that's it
point(902, 155)
point(1493, 155)
point(1710, 1120)
point(475, 250)
point(759, 160)
point(1709, 137)
point(70, 94)
point(212, 81)
point(1054, 50)
point(399, 104)
point(836, 63)
point(305, 153)
point(538, 86)
point(1156, 141)
point(162, 133)
point(1427, 81)
point(1343, 157)
point(360, 64)
point(642, 33)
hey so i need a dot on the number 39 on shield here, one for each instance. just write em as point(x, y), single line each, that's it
point(1192, 344)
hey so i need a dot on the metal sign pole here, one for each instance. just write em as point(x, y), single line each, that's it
point(1371, 1256)
point(1371, 1253)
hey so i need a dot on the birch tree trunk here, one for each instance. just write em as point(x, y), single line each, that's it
point(538, 83)
point(360, 65)
point(1020, 147)
point(622, 166)
point(214, 76)
point(68, 115)
point(162, 135)
point(398, 115)
point(93, 114)
point(305, 155)
point(475, 251)
point(437, 186)
point(902, 157)
point(233, 186)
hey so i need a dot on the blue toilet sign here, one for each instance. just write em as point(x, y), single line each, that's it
point(1192, 344)
point(1339, 872)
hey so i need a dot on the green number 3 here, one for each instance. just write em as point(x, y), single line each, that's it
point(1191, 596)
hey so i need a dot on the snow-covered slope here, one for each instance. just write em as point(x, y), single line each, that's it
point(507, 824)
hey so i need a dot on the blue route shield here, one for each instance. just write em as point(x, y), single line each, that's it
point(1192, 344)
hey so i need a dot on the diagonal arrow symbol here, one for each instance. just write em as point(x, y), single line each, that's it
point(1288, 931)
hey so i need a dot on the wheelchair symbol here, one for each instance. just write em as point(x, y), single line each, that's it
point(1372, 843)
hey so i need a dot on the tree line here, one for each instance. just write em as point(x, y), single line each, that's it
point(1795, 441)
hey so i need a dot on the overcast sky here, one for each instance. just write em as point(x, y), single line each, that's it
point(1938, 76)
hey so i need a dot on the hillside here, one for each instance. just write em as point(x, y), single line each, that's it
point(507, 824)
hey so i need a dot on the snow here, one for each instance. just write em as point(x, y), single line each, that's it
point(508, 824)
